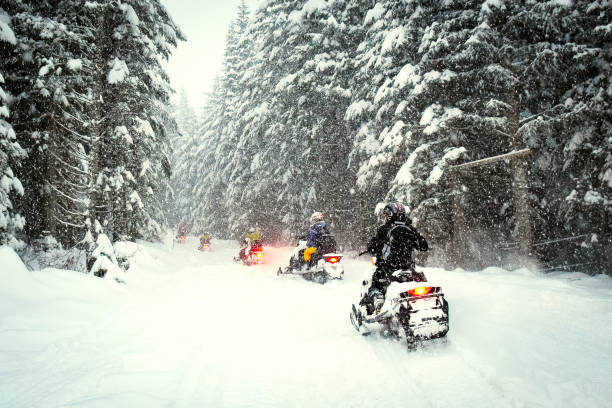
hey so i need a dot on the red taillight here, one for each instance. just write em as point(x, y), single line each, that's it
point(259, 254)
point(333, 258)
point(420, 291)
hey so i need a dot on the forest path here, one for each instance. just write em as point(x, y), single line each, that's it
point(195, 329)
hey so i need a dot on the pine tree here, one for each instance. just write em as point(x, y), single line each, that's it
point(50, 80)
point(313, 97)
point(561, 58)
point(11, 153)
point(131, 148)
point(220, 156)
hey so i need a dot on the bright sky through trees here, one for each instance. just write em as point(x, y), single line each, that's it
point(194, 64)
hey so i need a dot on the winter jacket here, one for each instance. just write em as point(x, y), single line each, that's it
point(252, 236)
point(400, 257)
point(316, 231)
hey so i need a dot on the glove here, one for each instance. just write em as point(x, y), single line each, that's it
point(308, 253)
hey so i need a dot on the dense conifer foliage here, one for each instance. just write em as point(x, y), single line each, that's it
point(338, 105)
point(88, 100)
point(320, 105)
point(10, 151)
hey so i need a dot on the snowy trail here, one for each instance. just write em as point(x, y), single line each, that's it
point(195, 329)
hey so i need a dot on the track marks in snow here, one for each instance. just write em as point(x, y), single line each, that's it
point(200, 330)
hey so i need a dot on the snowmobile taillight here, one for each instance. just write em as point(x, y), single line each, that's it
point(182, 237)
point(259, 254)
point(420, 291)
point(333, 258)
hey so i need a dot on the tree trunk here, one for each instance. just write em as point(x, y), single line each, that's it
point(459, 223)
point(519, 184)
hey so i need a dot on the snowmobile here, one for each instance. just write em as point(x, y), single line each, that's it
point(414, 311)
point(254, 254)
point(320, 268)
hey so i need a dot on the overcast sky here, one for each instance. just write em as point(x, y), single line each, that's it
point(195, 63)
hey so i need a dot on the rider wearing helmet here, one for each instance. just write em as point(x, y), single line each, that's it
point(252, 235)
point(182, 229)
point(392, 246)
point(204, 239)
point(319, 239)
point(251, 240)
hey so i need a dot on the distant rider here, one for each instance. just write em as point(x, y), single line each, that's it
point(204, 239)
point(392, 246)
point(252, 239)
point(182, 229)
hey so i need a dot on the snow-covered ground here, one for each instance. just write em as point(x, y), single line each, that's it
point(194, 329)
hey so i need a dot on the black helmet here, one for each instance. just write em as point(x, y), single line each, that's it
point(394, 211)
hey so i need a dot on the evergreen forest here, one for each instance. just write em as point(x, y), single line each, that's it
point(491, 120)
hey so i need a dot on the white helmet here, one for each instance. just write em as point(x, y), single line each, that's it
point(316, 217)
point(251, 230)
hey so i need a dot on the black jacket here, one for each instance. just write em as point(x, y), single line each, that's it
point(406, 239)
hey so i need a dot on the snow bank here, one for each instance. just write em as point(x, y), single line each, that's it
point(15, 277)
point(34, 293)
point(519, 338)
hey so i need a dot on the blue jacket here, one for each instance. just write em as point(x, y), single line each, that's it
point(315, 232)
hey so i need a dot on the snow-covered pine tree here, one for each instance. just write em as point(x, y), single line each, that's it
point(387, 131)
point(484, 80)
point(11, 153)
point(216, 205)
point(313, 96)
point(261, 127)
point(560, 54)
point(197, 162)
point(185, 116)
point(49, 74)
point(458, 108)
point(130, 150)
point(223, 138)
point(183, 160)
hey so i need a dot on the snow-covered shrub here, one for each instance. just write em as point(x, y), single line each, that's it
point(104, 261)
point(47, 252)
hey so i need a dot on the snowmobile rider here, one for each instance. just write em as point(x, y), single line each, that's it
point(392, 246)
point(182, 230)
point(204, 239)
point(316, 244)
point(251, 239)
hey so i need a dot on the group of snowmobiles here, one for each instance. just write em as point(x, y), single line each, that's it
point(181, 238)
point(404, 306)
point(396, 300)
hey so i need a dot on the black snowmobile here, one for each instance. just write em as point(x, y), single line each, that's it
point(413, 311)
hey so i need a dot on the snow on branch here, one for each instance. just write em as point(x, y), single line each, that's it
point(118, 72)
